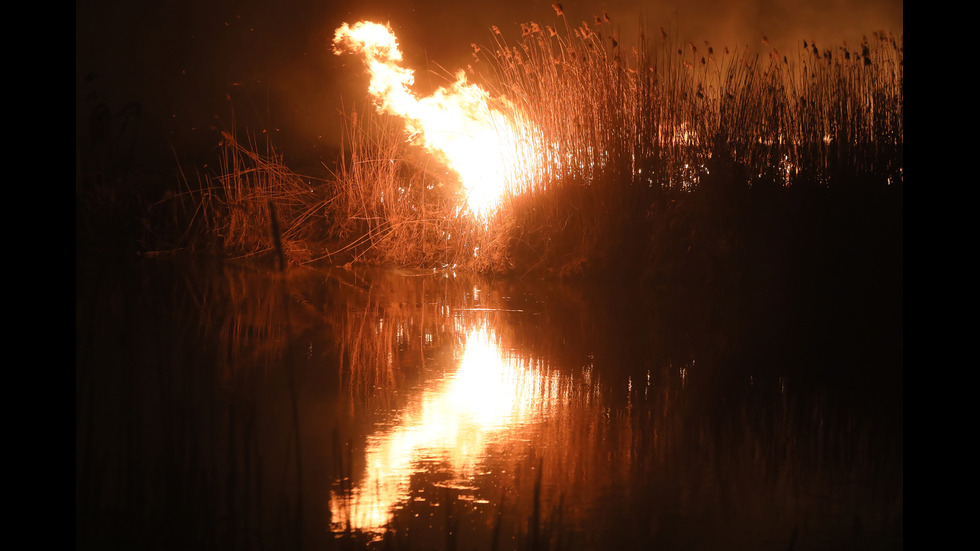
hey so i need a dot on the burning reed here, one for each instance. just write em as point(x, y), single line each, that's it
point(590, 148)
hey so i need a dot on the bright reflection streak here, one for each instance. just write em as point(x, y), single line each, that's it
point(453, 421)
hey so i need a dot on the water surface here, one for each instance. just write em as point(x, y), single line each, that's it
point(230, 406)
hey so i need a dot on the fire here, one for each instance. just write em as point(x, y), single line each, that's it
point(485, 140)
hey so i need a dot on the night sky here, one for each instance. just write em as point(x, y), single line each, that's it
point(188, 67)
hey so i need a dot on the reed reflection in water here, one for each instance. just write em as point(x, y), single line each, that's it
point(237, 408)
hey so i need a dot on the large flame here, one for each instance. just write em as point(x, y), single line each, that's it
point(486, 141)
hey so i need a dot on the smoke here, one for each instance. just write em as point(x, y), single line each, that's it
point(743, 22)
point(183, 59)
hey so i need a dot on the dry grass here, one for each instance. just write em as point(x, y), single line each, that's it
point(622, 133)
point(393, 205)
point(662, 113)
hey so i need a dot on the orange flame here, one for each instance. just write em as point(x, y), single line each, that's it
point(486, 141)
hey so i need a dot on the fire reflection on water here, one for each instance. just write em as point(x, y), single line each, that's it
point(451, 424)
point(458, 404)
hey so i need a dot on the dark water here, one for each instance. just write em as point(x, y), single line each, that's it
point(231, 407)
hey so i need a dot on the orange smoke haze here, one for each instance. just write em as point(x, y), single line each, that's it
point(181, 60)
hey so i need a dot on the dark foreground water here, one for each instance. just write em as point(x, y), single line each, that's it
point(232, 407)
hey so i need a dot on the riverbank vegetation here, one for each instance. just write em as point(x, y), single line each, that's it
point(664, 160)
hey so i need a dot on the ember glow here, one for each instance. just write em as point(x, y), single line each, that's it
point(485, 140)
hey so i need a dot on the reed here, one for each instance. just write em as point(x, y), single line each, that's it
point(255, 204)
point(622, 134)
point(660, 114)
point(392, 205)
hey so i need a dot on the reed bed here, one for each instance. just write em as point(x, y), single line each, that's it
point(392, 204)
point(255, 204)
point(663, 114)
point(624, 136)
